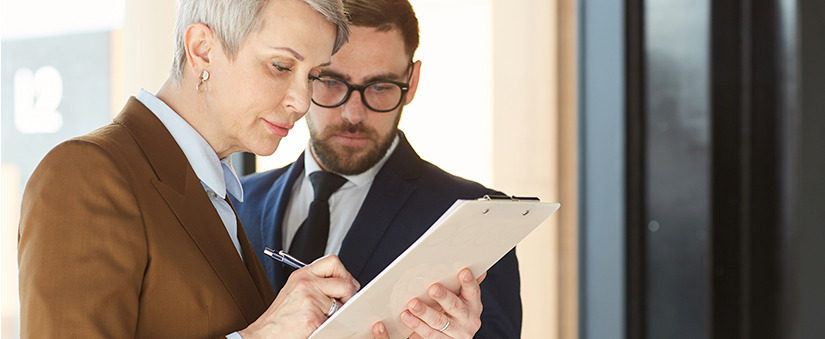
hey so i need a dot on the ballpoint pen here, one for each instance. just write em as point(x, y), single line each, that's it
point(284, 258)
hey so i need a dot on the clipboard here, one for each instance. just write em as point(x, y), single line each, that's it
point(471, 233)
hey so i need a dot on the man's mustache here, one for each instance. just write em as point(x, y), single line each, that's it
point(353, 128)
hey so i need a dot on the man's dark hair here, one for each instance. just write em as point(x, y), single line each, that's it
point(385, 15)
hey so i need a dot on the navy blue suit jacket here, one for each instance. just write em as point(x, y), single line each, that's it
point(407, 196)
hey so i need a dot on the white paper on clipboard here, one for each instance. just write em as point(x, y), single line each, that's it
point(471, 233)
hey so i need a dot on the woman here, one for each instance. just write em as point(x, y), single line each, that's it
point(128, 232)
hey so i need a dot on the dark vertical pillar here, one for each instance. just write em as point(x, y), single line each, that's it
point(763, 250)
point(748, 162)
point(788, 107)
point(728, 141)
point(675, 168)
point(808, 234)
point(635, 169)
point(727, 199)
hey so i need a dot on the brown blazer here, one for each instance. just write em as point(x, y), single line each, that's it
point(118, 239)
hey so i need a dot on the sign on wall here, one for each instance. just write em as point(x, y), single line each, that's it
point(53, 88)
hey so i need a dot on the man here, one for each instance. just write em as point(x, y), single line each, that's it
point(126, 232)
point(390, 196)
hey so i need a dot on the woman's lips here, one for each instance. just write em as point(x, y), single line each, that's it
point(279, 129)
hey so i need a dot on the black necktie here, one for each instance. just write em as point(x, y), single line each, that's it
point(310, 241)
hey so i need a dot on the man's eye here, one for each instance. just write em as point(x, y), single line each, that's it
point(381, 87)
point(281, 68)
point(329, 83)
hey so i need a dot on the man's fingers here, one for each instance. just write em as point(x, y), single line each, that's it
point(379, 331)
point(481, 277)
point(420, 327)
point(450, 302)
point(470, 291)
point(427, 314)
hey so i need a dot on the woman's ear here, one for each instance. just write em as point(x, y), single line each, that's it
point(416, 72)
point(198, 40)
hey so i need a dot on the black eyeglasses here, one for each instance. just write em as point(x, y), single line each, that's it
point(379, 96)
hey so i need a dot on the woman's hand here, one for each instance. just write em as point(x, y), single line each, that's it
point(303, 303)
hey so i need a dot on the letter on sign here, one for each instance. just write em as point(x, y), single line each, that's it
point(36, 98)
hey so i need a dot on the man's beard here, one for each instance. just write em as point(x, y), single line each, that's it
point(349, 160)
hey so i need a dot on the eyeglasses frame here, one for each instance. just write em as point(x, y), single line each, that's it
point(405, 87)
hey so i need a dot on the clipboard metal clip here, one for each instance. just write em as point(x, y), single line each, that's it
point(498, 197)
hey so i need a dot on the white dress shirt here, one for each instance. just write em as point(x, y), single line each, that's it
point(344, 203)
point(216, 175)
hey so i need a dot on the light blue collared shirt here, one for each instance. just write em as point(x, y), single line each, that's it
point(216, 175)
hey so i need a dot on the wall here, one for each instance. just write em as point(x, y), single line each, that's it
point(510, 70)
point(534, 143)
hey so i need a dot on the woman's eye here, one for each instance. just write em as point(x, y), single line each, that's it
point(281, 68)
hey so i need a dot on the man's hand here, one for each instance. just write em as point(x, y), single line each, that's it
point(455, 316)
point(303, 303)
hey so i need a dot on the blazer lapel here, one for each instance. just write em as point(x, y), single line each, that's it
point(254, 267)
point(390, 190)
point(272, 219)
point(181, 189)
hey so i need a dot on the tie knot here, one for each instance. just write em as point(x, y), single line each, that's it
point(325, 183)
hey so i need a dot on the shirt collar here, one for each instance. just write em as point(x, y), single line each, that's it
point(365, 178)
point(217, 174)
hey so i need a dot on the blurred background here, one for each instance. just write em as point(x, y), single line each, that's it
point(683, 138)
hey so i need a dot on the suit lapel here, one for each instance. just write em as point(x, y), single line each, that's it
point(181, 189)
point(204, 226)
point(253, 265)
point(272, 219)
point(390, 190)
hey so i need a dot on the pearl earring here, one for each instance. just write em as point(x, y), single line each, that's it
point(203, 77)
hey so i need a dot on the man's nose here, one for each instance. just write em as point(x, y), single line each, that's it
point(354, 110)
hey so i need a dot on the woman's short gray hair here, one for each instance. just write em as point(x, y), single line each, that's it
point(233, 20)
